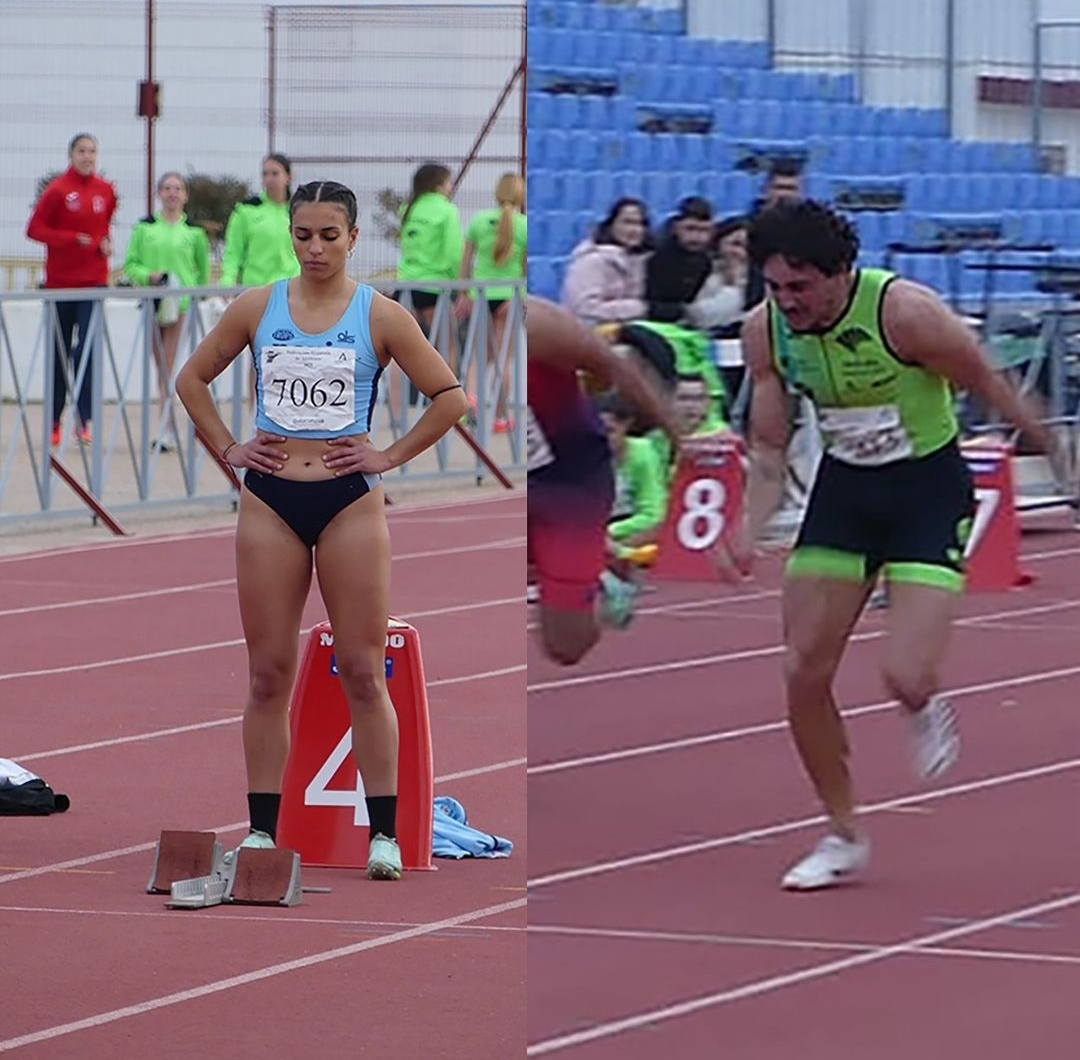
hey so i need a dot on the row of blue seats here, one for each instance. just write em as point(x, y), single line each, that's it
point(546, 274)
point(732, 192)
point(555, 233)
point(589, 150)
point(762, 119)
point(547, 15)
point(681, 82)
point(591, 50)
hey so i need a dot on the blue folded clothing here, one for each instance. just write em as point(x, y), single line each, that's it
point(454, 837)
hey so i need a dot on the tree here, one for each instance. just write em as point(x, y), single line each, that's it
point(388, 215)
point(211, 200)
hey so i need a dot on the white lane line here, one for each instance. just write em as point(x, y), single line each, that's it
point(225, 829)
point(781, 725)
point(764, 942)
point(779, 982)
point(695, 662)
point(394, 514)
point(179, 730)
point(220, 985)
point(652, 857)
point(195, 648)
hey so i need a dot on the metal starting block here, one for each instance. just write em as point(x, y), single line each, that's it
point(264, 877)
point(182, 856)
point(191, 869)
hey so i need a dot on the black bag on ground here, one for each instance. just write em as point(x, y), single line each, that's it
point(22, 794)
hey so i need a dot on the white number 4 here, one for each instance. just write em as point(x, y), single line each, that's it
point(318, 794)
point(986, 501)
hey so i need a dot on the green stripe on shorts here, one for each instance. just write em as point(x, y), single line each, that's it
point(932, 574)
point(813, 561)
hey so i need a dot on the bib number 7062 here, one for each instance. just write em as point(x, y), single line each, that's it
point(702, 520)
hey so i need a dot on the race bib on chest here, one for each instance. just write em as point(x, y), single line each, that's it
point(308, 389)
point(865, 436)
point(539, 450)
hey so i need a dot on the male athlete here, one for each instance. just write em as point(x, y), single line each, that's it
point(878, 356)
point(571, 477)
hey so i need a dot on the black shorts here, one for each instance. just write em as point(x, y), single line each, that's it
point(420, 299)
point(911, 518)
point(307, 507)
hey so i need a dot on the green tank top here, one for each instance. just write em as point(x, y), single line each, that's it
point(872, 407)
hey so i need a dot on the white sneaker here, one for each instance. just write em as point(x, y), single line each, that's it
point(936, 738)
point(257, 840)
point(834, 860)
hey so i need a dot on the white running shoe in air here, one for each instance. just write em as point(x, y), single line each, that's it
point(834, 860)
point(936, 738)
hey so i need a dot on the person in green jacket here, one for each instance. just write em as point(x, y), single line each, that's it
point(258, 244)
point(430, 249)
point(258, 237)
point(673, 352)
point(640, 505)
point(496, 249)
point(168, 248)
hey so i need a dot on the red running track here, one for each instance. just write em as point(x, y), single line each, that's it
point(122, 677)
point(665, 802)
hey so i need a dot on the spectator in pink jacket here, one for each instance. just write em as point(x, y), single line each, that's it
point(605, 280)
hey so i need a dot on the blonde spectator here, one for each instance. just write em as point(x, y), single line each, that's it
point(495, 249)
point(605, 281)
point(166, 248)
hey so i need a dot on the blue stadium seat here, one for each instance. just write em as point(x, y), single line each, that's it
point(640, 151)
point(567, 112)
point(586, 51)
point(584, 150)
point(634, 47)
point(544, 189)
point(670, 20)
point(574, 191)
point(595, 112)
point(598, 18)
point(540, 111)
point(614, 150)
point(1072, 231)
point(629, 184)
point(870, 228)
point(560, 237)
point(1048, 196)
point(600, 191)
point(542, 278)
point(574, 15)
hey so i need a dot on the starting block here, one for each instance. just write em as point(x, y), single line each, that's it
point(191, 869)
point(264, 877)
point(182, 856)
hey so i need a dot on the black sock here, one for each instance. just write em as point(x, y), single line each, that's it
point(263, 808)
point(382, 815)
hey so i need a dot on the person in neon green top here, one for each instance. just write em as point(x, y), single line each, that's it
point(258, 240)
point(168, 247)
point(496, 249)
point(640, 504)
point(877, 355)
point(431, 245)
point(258, 247)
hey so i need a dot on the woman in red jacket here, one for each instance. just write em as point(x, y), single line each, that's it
point(72, 218)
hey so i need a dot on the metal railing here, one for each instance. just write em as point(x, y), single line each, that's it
point(144, 452)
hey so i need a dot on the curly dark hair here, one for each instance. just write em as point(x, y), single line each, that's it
point(803, 232)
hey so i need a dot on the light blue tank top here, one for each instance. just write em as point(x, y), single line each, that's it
point(315, 386)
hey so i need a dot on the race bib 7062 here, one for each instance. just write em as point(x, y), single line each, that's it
point(308, 388)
